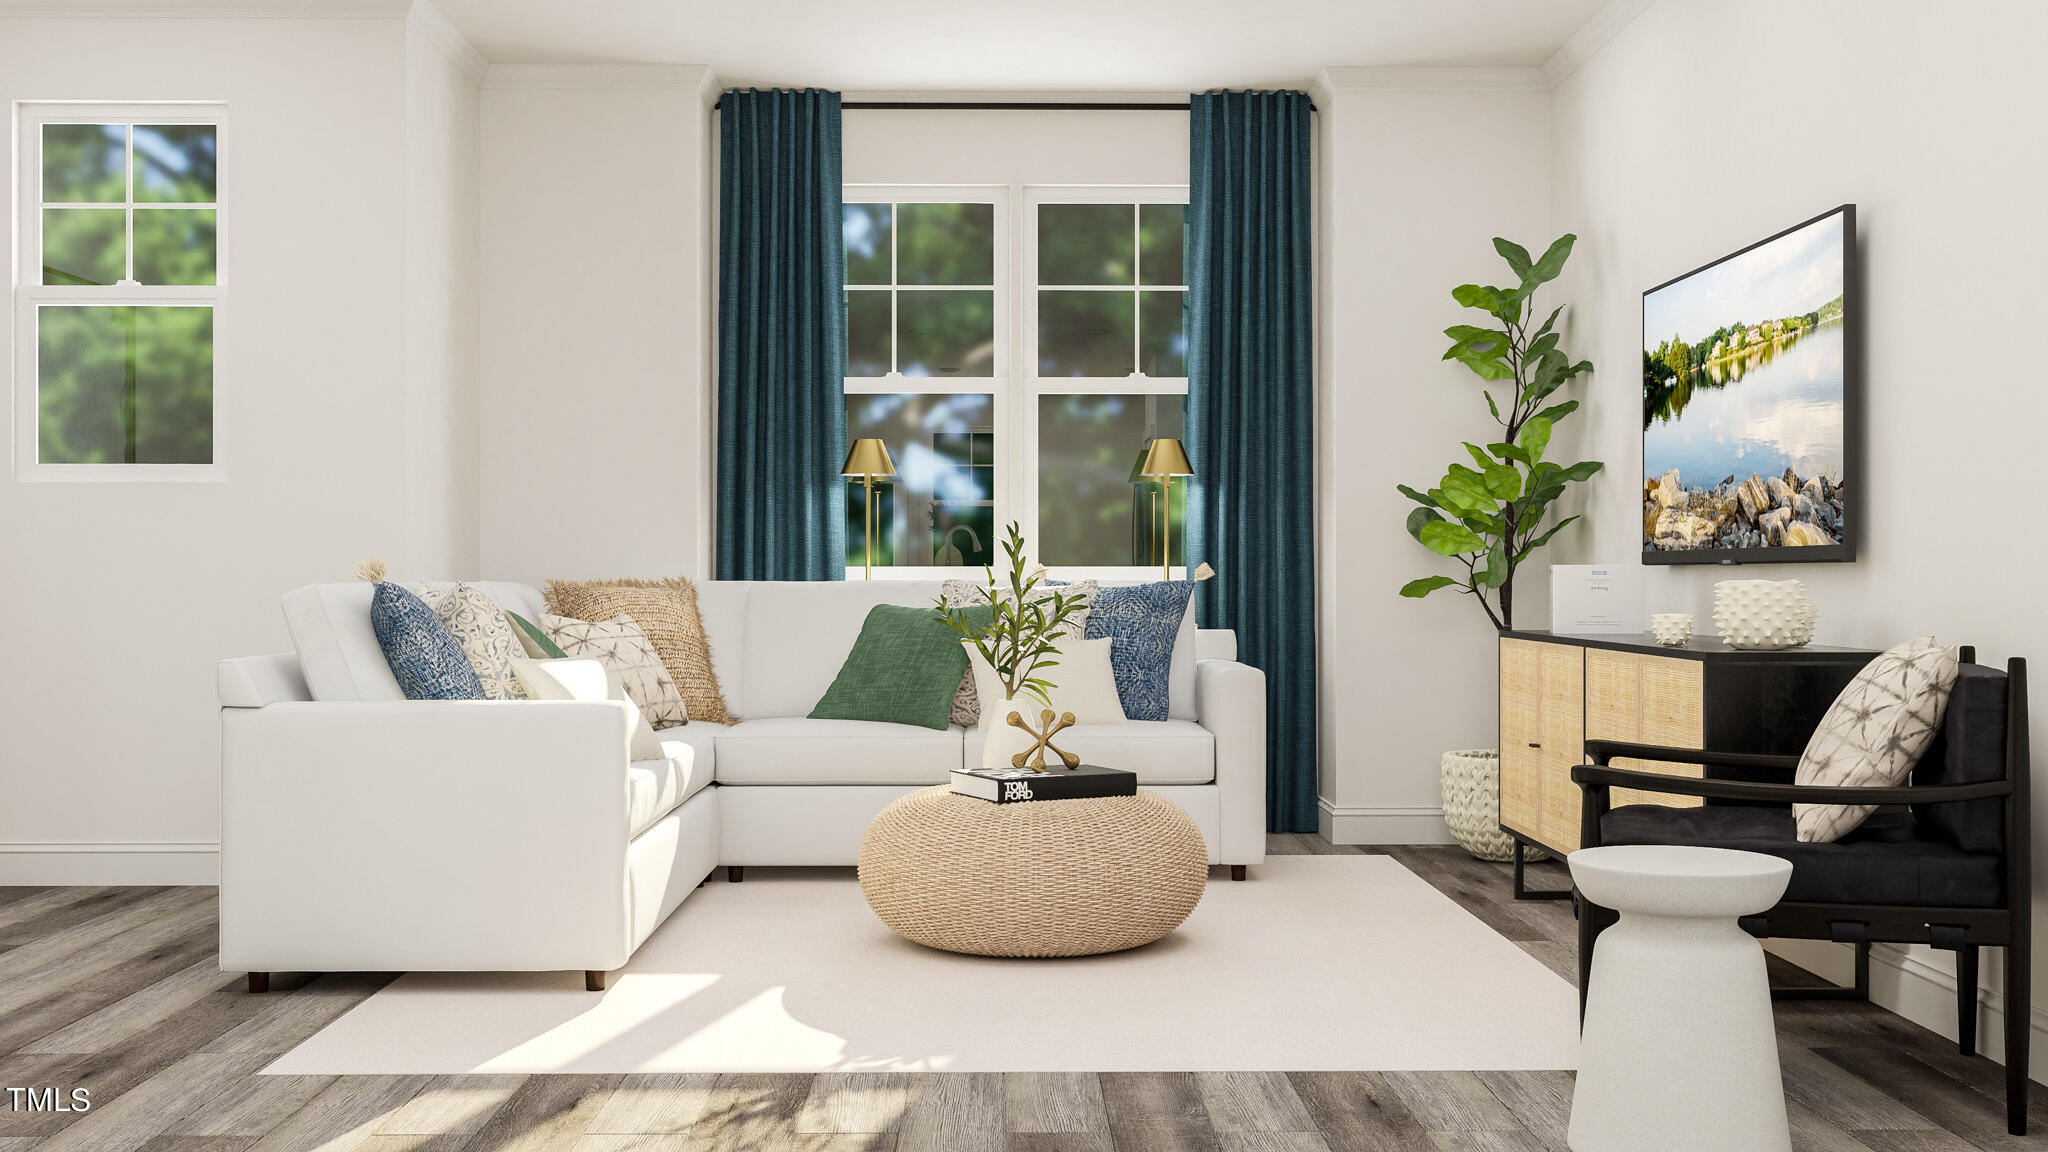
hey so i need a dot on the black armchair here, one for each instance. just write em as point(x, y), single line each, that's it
point(1943, 861)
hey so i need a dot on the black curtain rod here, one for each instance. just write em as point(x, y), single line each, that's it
point(984, 106)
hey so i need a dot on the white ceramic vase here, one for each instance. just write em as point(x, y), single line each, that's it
point(1672, 628)
point(1002, 740)
point(1764, 614)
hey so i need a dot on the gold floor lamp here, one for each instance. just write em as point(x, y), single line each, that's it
point(869, 460)
point(1166, 459)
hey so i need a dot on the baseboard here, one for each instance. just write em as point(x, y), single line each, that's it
point(1904, 983)
point(1381, 825)
point(109, 862)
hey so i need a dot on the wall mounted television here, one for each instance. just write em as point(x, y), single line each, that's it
point(1751, 384)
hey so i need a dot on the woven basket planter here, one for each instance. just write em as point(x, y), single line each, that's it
point(1042, 878)
point(1471, 784)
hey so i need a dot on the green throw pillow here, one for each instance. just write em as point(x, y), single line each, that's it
point(548, 648)
point(903, 669)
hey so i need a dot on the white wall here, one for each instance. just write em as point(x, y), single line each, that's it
point(882, 146)
point(442, 73)
point(1703, 127)
point(595, 326)
point(120, 598)
point(1421, 168)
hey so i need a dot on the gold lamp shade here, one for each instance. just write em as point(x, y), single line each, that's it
point(870, 457)
point(1166, 457)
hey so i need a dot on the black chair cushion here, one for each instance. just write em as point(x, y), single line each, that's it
point(1969, 749)
point(1883, 861)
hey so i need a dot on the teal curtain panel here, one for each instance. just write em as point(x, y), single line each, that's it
point(1251, 410)
point(781, 338)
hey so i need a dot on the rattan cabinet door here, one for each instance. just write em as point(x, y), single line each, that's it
point(1542, 725)
point(1645, 700)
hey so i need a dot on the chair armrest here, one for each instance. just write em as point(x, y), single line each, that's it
point(1230, 701)
point(1603, 777)
point(1603, 752)
point(424, 835)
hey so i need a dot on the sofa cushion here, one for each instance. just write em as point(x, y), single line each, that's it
point(654, 788)
point(722, 608)
point(338, 650)
point(799, 750)
point(799, 631)
point(1881, 861)
point(1159, 751)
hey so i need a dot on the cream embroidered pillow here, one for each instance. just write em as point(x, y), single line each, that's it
point(1874, 733)
point(1084, 684)
point(625, 649)
point(481, 631)
point(958, 593)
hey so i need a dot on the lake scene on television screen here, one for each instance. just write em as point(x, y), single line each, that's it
point(1743, 399)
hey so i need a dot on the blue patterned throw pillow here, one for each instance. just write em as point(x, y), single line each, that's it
point(423, 654)
point(1144, 620)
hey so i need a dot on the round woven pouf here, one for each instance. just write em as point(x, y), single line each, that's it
point(1041, 878)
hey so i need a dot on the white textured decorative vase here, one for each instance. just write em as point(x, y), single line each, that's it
point(1471, 791)
point(1764, 614)
point(1673, 628)
point(1002, 740)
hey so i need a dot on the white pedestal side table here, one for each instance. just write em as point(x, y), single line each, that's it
point(1678, 1051)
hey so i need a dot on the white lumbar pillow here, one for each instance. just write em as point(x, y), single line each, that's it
point(586, 678)
point(1084, 684)
point(1874, 733)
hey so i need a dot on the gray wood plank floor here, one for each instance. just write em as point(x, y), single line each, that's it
point(115, 989)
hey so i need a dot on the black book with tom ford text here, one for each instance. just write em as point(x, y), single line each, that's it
point(1016, 785)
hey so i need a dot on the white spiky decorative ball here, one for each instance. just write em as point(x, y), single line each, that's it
point(1764, 614)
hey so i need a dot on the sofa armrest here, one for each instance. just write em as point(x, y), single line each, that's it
point(424, 835)
point(1230, 701)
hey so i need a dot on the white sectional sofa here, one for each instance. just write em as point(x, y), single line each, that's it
point(361, 831)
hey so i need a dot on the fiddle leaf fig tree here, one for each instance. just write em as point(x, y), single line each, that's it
point(1488, 515)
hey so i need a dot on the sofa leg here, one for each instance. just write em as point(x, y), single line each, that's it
point(259, 983)
point(1966, 999)
point(735, 873)
point(595, 981)
point(1237, 871)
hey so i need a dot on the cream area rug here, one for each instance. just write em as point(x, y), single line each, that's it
point(1317, 963)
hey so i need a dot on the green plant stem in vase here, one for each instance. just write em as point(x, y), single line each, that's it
point(1020, 640)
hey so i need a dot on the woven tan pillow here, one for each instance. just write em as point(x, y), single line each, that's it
point(1874, 733)
point(667, 611)
point(625, 651)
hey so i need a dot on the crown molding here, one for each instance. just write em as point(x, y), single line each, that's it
point(377, 10)
point(1592, 36)
point(1402, 79)
point(442, 33)
point(614, 77)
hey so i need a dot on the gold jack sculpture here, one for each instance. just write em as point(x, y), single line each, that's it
point(1036, 753)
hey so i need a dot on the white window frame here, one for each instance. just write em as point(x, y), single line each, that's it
point(1016, 386)
point(30, 294)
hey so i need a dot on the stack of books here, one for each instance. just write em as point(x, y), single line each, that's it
point(1016, 785)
